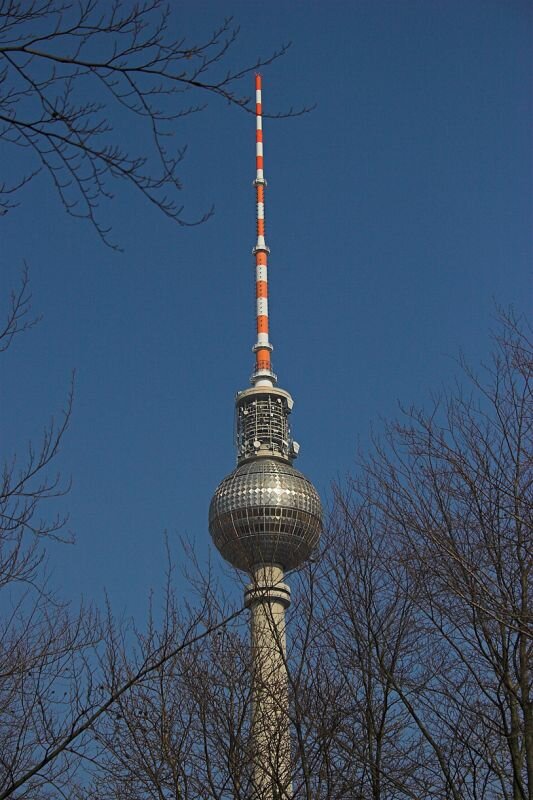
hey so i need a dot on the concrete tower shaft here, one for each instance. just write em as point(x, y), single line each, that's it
point(268, 598)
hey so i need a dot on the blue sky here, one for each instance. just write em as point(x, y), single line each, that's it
point(398, 212)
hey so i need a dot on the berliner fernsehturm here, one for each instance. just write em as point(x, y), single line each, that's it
point(265, 518)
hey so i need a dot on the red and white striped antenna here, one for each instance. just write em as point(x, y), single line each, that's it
point(263, 375)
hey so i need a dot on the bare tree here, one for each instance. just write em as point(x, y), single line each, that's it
point(63, 669)
point(182, 730)
point(42, 643)
point(98, 698)
point(26, 483)
point(409, 665)
point(364, 638)
point(75, 76)
point(451, 492)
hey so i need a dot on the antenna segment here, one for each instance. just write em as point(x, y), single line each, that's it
point(263, 375)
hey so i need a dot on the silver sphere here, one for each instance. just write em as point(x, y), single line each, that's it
point(265, 512)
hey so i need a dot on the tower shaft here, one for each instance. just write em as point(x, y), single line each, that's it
point(268, 598)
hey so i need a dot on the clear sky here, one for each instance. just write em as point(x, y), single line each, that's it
point(398, 212)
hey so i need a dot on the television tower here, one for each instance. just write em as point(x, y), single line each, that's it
point(265, 518)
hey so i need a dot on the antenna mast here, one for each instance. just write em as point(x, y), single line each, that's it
point(263, 375)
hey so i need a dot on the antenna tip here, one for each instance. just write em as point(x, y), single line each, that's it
point(257, 80)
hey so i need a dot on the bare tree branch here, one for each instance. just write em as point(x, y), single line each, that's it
point(127, 59)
